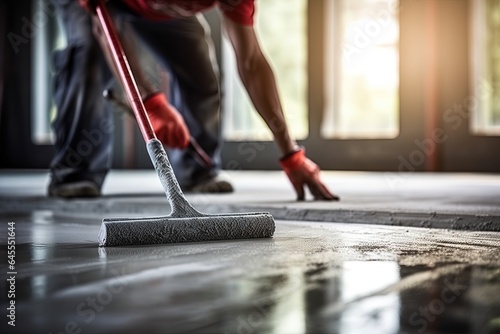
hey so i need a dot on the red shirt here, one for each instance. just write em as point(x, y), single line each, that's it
point(240, 11)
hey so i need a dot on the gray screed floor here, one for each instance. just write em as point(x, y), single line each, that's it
point(419, 256)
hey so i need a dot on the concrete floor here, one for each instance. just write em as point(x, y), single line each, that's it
point(321, 276)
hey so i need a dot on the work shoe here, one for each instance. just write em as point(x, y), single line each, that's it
point(74, 189)
point(214, 185)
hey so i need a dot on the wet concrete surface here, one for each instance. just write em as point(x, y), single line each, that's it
point(437, 200)
point(310, 278)
point(323, 276)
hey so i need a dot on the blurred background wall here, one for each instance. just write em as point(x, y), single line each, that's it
point(408, 85)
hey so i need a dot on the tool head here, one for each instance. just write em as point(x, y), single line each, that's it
point(160, 230)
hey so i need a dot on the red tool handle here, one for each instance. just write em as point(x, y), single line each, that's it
point(123, 68)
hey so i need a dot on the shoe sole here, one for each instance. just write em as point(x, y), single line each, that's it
point(218, 187)
point(83, 189)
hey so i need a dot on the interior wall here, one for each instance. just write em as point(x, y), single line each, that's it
point(461, 151)
point(3, 37)
point(435, 75)
point(16, 148)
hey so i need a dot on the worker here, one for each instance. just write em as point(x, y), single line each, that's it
point(179, 38)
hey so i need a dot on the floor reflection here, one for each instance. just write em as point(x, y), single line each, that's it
point(310, 278)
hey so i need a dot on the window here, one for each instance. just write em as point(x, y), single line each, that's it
point(281, 28)
point(486, 67)
point(362, 88)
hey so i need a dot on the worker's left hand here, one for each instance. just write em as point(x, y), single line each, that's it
point(303, 172)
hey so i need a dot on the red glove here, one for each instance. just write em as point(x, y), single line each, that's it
point(302, 171)
point(167, 122)
point(88, 5)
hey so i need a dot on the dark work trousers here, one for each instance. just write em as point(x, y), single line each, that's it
point(83, 125)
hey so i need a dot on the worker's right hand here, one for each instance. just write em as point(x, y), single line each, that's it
point(303, 172)
point(167, 122)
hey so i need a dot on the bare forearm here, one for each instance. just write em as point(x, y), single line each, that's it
point(260, 84)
